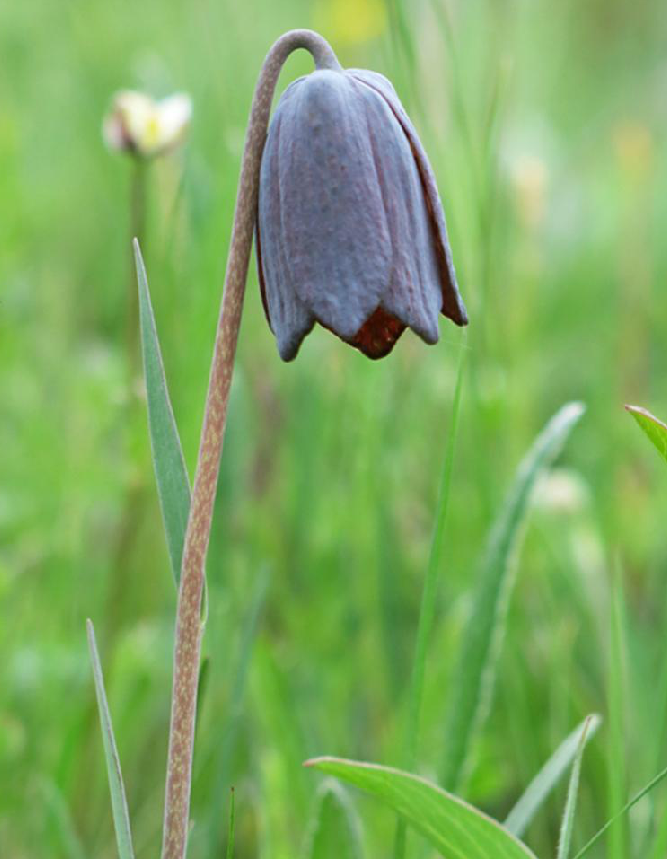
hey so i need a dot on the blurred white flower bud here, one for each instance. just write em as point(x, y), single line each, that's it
point(561, 490)
point(138, 124)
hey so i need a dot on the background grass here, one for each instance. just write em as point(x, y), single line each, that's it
point(544, 122)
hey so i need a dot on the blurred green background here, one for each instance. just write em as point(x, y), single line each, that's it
point(545, 125)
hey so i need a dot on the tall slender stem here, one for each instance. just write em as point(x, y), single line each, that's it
point(189, 630)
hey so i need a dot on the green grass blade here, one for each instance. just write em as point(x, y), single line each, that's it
point(655, 429)
point(429, 602)
point(401, 32)
point(231, 721)
point(171, 474)
point(659, 850)
point(655, 781)
point(616, 765)
point(336, 829)
point(474, 673)
point(232, 824)
point(56, 807)
point(548, 777)
point(572, 795)
point(454, 828)
point(121, 817)
point(202, 689)
point(429, 595)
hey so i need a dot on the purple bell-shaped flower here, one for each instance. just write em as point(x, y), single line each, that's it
point(350, 228)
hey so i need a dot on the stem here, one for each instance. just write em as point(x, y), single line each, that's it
point(428, 605)
point(189, 628)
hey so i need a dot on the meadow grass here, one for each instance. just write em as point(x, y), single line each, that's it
point(543, 122)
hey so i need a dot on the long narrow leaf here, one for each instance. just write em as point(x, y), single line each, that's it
point(429, 594)
point(548, 777)
point(655, 781)
point(618, 841)
point(572, 796)
point(173, 483)
point(121, 816)
point(655, 429)
point(474, 673)
point(454, 828)
point(336, 829)
point(659, 849)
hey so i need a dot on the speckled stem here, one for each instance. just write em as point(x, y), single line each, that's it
point(189, 629)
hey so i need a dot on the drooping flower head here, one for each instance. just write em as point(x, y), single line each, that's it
point(350, 229)
point(138, 124)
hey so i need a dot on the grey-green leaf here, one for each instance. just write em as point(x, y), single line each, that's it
point(336, 828)
point(547, 778)
point(121, 817)
point(475, 669)
point(572, 796)
point(173, 483)
point(655, 429)
point(454, 828)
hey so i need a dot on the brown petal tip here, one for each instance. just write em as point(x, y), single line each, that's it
point(378, 335)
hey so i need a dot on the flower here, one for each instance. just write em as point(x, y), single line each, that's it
point(350, 229)
point(138, 124)
point(561, 490)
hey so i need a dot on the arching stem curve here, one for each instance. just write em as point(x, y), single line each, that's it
point(188, 634)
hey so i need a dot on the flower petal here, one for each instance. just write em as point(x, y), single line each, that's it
point(288, 317)
point(378, 335)
point(452, 303)
point(333, 223)
point(174, 115)
point(414, 294)
point(138, 124)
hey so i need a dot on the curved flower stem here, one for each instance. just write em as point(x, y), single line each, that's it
point(189, 628)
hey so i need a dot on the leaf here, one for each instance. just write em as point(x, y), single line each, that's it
point(572, 795)
point(336, 830)
point(121, 817)
point(202, 689)
point(654, 429)
point(659, 848)
point(454, 828)
point(429, 594)
point(171, 474)
point(475, 669)
point(632, 802)
point(547, 778)
point(618, 841)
